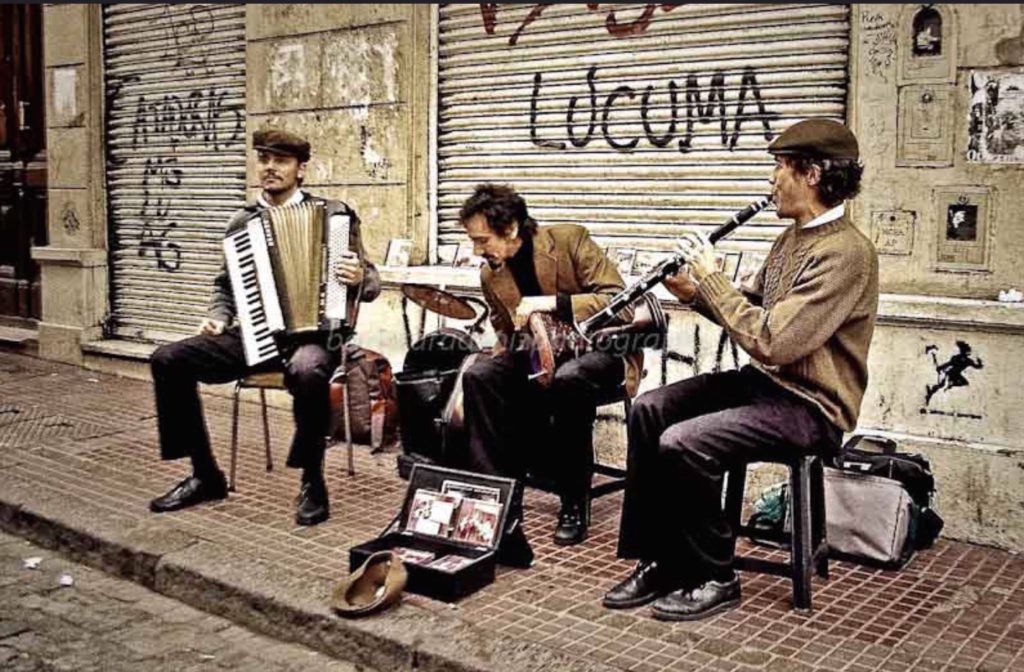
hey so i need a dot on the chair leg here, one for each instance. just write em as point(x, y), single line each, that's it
point(800, 544)
point(266, 429)
point(234, 439)
point(820, 521)
point(736, 484)
point(347, 410)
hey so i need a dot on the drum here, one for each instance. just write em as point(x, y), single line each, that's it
point(441, 350)
point(453, 416)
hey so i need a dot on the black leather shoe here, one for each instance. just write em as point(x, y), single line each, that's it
point(312, 507)
point(573, 520)
point(692, 604)
point(190, 492)
point(648, 582)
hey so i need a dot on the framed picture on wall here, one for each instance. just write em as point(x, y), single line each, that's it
point(962, 219)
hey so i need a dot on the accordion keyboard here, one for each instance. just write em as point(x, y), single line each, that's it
point(256, 300)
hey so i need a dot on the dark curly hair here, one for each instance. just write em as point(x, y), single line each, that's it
point(501, 206)
point(840, 178)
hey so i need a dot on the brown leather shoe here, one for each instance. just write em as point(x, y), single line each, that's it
point(374, 586)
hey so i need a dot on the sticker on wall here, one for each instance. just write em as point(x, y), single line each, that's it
point(893, 231)
point(995, 118)
point(925, 125)
point(927, 44)
point(950, 374)
point(962, 222)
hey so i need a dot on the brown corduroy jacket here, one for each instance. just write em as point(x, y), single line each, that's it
point(567, 261)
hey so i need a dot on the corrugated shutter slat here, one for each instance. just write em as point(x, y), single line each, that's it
point(175, 135)
point(636, 166)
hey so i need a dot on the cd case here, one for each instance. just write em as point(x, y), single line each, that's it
point(447, 532)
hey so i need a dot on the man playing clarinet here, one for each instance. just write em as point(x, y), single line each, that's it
point(806, 322)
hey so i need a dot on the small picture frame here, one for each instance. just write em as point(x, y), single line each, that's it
point(623, 258)
point(446, 253)
point(464, 257)
point(728, 263)
point(399, 251)
point(645, 260)
point(963, 216)
point(432, 513)
point(749, 264)
point(477, 522)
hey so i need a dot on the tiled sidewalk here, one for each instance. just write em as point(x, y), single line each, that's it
point(91, 438)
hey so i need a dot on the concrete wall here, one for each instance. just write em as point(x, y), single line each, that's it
point(888, 113)
point(74, 264)
point(353, 79)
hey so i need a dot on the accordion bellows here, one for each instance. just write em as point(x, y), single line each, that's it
point(281, 267)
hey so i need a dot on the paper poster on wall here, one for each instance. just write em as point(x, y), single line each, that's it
point(962, 216)
point(995, 118)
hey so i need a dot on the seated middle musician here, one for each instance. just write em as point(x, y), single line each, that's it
point(554, 269)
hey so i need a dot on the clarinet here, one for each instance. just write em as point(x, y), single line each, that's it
point(666, 268)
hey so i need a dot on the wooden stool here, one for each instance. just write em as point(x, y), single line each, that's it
point(808, 545)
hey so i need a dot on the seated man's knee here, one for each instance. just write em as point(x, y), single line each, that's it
point(309, 364)
point(165, 358)
point(481, 372)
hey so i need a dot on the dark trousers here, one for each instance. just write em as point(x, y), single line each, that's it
point(178, 367)
point(682, 439)
point(512, 424)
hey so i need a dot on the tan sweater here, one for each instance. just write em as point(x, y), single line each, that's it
point(808, 318)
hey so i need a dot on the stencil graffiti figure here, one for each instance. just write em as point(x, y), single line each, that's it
point(951, 373)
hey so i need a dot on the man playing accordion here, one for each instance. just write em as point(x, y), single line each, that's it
point(216, 354)
point(806, 323)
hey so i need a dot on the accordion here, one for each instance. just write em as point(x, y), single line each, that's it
point(281, 264)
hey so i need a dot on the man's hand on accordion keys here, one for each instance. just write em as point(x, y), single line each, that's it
point(349, 270)
point(211, 327)
point(529, 305)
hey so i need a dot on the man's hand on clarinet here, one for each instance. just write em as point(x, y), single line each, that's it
point(211, 327)
point(349, 270)
point(529, 305)
point(696, 250)
point(681, 285)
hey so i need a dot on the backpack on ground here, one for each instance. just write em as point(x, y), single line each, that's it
point(374, 407)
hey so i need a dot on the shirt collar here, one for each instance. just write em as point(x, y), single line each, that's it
point(296, 198)
point(826, 217)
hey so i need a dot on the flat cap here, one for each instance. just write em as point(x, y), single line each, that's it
point(820, 138)
point(281, 142)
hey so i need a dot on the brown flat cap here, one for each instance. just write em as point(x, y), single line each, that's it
point(820, 138)
point(281, 142)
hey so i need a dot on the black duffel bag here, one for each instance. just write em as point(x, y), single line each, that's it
point(421, 398)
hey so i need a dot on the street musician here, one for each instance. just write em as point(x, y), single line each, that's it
point(557, 270)
point(218, 353)
point(806, 323)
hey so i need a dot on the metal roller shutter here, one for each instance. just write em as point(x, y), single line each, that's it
point(175, 135)
point(573, 105)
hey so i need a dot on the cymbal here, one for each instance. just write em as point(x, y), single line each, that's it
point(439, 301)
